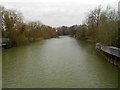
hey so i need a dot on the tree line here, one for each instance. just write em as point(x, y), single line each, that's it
point(101, 25)
point(20, 32)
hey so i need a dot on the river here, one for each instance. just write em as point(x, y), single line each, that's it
point(57, 63)
point(0, 68)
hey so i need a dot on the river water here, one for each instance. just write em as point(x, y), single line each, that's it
point(57, 63)
point(0, 68)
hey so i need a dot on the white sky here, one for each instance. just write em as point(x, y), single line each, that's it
point(56, 12)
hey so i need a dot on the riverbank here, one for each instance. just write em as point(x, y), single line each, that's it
point(11, 44)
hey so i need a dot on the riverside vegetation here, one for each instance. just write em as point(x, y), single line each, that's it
point(101, 25)
point(21, 32)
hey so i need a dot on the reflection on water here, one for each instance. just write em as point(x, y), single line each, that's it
point(59, 62)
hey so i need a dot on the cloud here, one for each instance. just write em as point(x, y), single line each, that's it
point(55, 12)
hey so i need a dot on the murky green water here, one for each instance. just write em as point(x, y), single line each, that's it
point(59, 62)
point(0, 68)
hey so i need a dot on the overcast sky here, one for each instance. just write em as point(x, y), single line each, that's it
point(56, 12)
